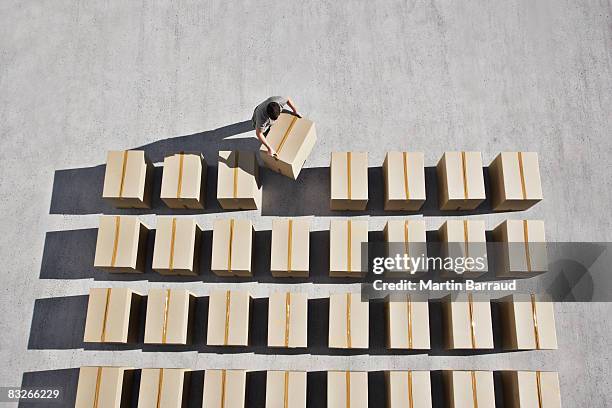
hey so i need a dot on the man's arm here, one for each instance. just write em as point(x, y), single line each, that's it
point(263, 140)
point(292, 106)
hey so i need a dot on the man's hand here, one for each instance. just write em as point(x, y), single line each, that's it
point(271, 152)
point(293, 108)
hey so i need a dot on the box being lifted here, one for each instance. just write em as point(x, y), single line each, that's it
point(349, 181)
point(404, 181)
point(238, 185)
point(515, 181)
point(460, 181)
point(293, 139)
point(184, 181)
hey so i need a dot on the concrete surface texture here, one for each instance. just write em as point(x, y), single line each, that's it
point(80, 78)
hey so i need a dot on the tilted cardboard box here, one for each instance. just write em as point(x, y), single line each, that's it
point(112, 315)
point(286, 389)
point(184, 181)
point(345, 241)
point(467, 322)
point(515, 181)
point(224, 388)
point(228, 318)
point(349, 320)
point(169, 316)
point(404, 181)
point(522, 250)
point(293, 139)
point(463, 241)
point(177, 246)
point(349, 181)
point(408, 324)
point(121, 244)
point(238, 185)
point(290, 254)
point(408, 389)
point(528, 323)
point(347, 389)
point(407, 237)
point(469, 389)
point(288, 320)
point(127, 179)
point(524, 389)
point(164, 388)
point(104, 387)
point(232, 247)
point(460, 181)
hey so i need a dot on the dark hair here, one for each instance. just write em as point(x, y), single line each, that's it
point(273, 110)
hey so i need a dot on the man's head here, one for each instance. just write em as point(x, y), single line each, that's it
point(273, 110)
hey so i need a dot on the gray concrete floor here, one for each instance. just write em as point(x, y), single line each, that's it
point(80, 78)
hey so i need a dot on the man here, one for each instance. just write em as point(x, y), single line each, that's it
point(266, 113)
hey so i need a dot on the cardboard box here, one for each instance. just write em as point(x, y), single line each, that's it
point(408, 324)
point(404, 181)
point(127, 179)
point(224, 388)
point(348, 321)
point(524, 389)
point(232, 247)
point(407, 237)
point(515, 181)
point(184, 181)
point(121, 244)
point(345, 239)
point(288, 320)
point(238, 185)
point(177, 246)
point(462, 240)
point(104, 387)
point(228, 318)
point(293, 139)
point(112, 315)
point(469, 389)
point(169, 316)
point(164, 388)
point(290, 254)
point(460, 181)
point(347, 389)
point(286, 389)
point(521, 245)
point(528, 323)
point(467, 322)
point(349, 181)
point(411, 389)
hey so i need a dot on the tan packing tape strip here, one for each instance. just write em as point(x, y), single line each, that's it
point(474, 389)
point(179, 187)
point(465, 179)
point(348, 389)
point(410, 396)
point(172, 244)
point(522, 174)
point(349, 246)
point(406, 239)
point(286, 391)
point(534, 315)
point(228, 301)
point(466, 238)
point(287, 317)
point(539, 385)
point(97, 391)
point(123, 171)
point(289, 245)
point(285, 136)
point(472, 323)
point(160, 383)
point(105, 317)
point(116, 241)
point(406, 187)
point(409, 316)
point(223, 387)
point(526, 239)
point(349, 340)
point(348, 175)
point(166, 310)
point(229, 251)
